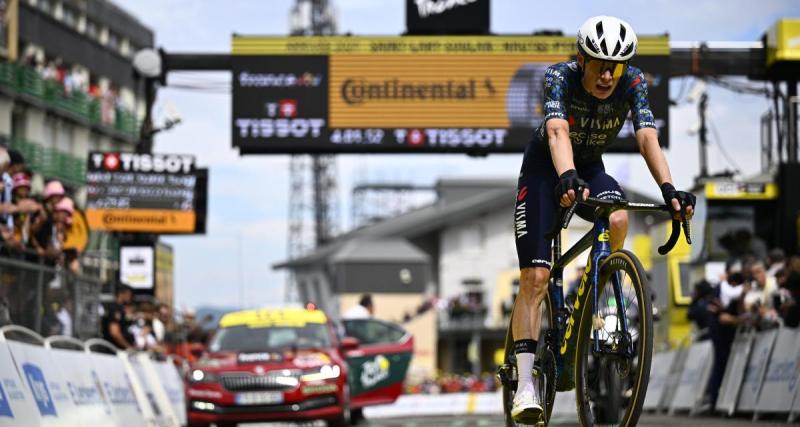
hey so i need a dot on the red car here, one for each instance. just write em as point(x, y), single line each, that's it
point(290, 364)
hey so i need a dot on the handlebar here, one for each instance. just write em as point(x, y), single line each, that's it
point(609, 205)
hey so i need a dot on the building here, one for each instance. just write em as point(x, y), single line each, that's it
point(456, 254)
point(67, 87)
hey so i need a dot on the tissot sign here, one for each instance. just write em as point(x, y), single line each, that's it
point(153, 193)
point(468, 94)
point(447, 16)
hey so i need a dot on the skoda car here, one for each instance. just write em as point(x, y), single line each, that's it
point(295, 364)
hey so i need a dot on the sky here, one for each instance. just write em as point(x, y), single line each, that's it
point(231, 265)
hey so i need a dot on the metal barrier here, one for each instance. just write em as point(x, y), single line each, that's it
point(33, 293)
point(756, 369)
point(734, 371)
point(693, 379)
point(779, 386)
point(660, 372)
point(61, 381)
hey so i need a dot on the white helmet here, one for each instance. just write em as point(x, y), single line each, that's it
point(607, 38)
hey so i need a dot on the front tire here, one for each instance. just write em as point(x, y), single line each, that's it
point(610, 388)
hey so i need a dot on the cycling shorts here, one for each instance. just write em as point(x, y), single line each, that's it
point(536, 207)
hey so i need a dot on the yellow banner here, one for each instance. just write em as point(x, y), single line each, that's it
point(423, 45)
point(272, 317)
point(141, 220)
point(408, 91)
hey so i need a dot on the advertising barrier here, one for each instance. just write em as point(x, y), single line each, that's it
point(660, 370)
point(46, 384)
point(780, 380)
point(17, 407)
point(694, 377)
point(84, 385)
point(125, 408)
point(756, 369)
point(734, 372)
point(152, 385)
point(173, 387)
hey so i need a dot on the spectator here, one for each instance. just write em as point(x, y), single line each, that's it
point(789, 307)
point(700, 311)
point(142, 329)
point(64, 316)
point(161, 322)
point(27, 209)
point(16, 162)
point(776, 260)
point(727, 291)
point(364, 310)
point(44, 229)
point(7, 207)
point(116, 324)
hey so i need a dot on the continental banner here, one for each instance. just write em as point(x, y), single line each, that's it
point(474, 94)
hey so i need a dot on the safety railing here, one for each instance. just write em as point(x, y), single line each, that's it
point(26, 80)
point(51, 163)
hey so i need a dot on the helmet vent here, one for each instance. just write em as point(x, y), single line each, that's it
point(599, 28)
point(616, 49)
point(604, 47)
point(590, 45)
point(622, 32)
point(627, 50)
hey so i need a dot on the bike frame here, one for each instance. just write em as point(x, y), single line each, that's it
point(564, 332)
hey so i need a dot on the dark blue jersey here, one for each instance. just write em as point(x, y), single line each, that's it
point(593, 123)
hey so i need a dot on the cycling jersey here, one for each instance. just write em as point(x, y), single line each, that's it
point(593, 123)
point(593, 126)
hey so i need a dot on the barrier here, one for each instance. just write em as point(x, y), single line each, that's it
point(734, 372)
point(82, 382)
point(17, 407)
point(756, 369)
point(172, 383)
point(793, 415)
point(151, 411)
point(780, 380)
point(152, 384)
point(694, 378)
point(125, 409)
point(660, 370)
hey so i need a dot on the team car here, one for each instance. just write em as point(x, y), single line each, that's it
point(296, 364)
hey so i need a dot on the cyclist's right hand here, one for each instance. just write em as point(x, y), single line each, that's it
point(568, 183)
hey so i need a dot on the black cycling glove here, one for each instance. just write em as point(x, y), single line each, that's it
point(669, 192)
point(569, 180)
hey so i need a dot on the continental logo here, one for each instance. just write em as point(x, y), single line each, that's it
point(141, 220)
point(359, 90)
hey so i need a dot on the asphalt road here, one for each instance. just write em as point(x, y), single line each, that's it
point(647, 420)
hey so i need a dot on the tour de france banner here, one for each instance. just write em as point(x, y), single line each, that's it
point(468, 94)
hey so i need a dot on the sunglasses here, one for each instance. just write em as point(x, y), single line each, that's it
point(597, 67)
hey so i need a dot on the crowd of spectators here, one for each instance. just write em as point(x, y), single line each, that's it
point(74, 80)
point(453, 383)
point(759, 290)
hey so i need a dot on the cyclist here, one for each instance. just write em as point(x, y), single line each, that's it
point(586, 102)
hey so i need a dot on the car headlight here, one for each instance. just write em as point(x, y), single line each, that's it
point(201, 376)
point(325, 372)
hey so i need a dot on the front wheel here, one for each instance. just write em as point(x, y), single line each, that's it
point(611, 383)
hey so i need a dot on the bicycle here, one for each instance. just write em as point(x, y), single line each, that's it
point(608, 337)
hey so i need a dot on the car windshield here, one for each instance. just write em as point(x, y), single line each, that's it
point(247, 339)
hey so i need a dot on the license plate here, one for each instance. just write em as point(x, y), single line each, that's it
point(259, 398)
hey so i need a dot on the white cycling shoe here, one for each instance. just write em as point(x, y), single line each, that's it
point(527, 408)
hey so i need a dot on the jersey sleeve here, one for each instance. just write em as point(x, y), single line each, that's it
point(641, 114)
point(554, 91)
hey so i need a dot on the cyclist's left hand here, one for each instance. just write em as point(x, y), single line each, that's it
point(675, 199)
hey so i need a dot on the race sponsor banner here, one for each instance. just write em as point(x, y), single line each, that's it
point(659, 372)
point(173, 386)
point(137, 266)
point(734, 372)
point(756, 369)
point(471, 94)
point(780, 380)
point(154, 389)
point(694, 377)
point(84, 385)
point(17, 407)
point(118, 390)
point(47, 385)
point(132, 192)
point(149, 407)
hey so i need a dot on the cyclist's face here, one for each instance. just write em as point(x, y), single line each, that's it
point(600, 78)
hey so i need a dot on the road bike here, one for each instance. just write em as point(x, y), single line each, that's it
point(604, 337)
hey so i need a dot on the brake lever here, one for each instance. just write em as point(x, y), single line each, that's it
point(571, 210)
point(687, 225)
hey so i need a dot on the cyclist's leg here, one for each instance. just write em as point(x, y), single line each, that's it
point(603, 186)
point(533, 215)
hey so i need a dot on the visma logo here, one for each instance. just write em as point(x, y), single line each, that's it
point(5, 407)
point(38, 386)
